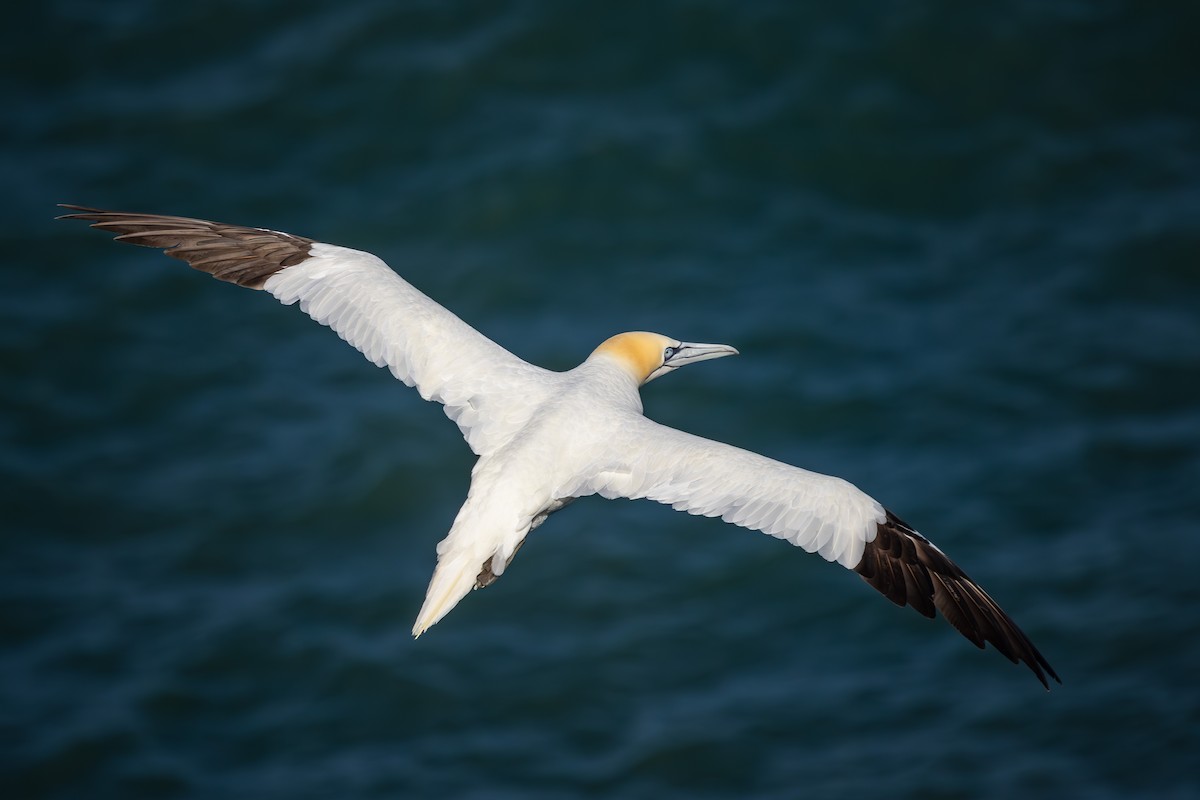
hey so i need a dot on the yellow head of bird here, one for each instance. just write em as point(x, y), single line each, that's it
point(649, 355)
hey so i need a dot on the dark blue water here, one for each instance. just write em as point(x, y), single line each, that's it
point(957, 244)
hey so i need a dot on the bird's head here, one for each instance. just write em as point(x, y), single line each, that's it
point(648, 355)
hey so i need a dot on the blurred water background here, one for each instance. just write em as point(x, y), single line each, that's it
point(958, 245)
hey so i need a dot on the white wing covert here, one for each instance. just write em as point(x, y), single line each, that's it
point(819, 513)
point(485, 389)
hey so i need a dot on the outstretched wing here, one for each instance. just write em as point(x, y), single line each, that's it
point(485, 389)
point(818, 513)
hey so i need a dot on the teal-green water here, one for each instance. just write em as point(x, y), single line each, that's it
point(957, 244)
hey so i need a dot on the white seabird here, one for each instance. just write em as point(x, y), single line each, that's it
point(545, 438)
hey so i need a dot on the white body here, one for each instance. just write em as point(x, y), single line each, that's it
point(544, 438)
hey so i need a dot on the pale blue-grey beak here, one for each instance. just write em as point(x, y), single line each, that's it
point(690, 353)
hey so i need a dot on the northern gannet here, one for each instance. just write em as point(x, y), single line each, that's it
point(545, 438)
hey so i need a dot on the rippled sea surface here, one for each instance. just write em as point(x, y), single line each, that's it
point(958, 246)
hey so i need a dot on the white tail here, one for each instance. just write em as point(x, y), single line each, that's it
point(452, 580)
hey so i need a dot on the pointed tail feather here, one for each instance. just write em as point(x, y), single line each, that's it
point(452, 580)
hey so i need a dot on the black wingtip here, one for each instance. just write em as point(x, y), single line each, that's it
point(908, 569)
point(78, 211)
point(233, 253)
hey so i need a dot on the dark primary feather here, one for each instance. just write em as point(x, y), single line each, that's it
point(234, 253)
point(909, 570)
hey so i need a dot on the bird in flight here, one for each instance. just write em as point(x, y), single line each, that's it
point(545, 438)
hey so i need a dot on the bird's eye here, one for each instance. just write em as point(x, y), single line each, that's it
point(670, 351)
